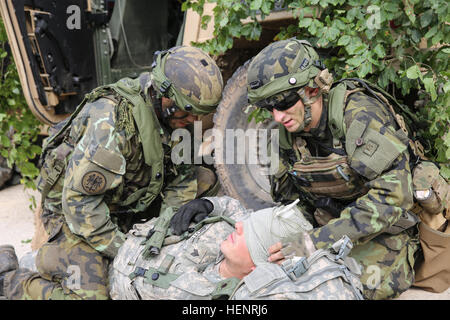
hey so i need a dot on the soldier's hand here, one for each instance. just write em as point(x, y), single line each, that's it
point(275, 254)
point(300, 246)
point(195, 210)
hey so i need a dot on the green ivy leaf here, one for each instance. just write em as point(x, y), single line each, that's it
point(445, 171)
point(430, 88)
point(425, 18)
point(4, 140)
point(344, 40)
point(355, 61)
point(446, 87)
point(332, 33)
point(431, 32)
point(205, 20)
point(365, 68)
point(413, 72)
point(391, 6)
point(379, 50)
point(255, 4)
point(304, 23)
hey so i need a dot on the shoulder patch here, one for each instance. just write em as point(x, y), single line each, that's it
point(93, 182)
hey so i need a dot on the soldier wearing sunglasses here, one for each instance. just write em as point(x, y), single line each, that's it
point(344, 154)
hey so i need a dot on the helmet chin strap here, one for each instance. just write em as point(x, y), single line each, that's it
point(165, 114)
point(323, 81)
point(307, 102)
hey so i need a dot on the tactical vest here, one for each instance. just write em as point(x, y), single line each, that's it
point(58, 147)
point(325, 274)
point(178, 271)
point(332, 176)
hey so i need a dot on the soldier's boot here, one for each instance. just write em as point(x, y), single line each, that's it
point(8, 262)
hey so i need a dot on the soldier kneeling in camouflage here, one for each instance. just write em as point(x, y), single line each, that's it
point(107, 167)
point(211, 261)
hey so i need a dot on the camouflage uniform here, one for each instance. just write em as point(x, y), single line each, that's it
point(377, 191)
point(116, 170)
point(189, 269)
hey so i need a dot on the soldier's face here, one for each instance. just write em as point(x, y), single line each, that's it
point(293, 117)
point(180, 118)
point(235, 249)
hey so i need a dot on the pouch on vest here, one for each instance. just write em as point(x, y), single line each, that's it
point(329, 176)
point(195, 284)
point(263, 276)
point(370, 151)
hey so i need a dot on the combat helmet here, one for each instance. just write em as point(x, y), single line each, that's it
point(188, 76)
point(278, 75)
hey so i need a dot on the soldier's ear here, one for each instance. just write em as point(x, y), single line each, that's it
point(312, 92)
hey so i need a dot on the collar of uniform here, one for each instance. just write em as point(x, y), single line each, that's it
point(145, 82)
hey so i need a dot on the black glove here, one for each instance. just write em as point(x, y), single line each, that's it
point(195, 210)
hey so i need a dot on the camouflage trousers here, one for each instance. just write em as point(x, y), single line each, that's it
point(68, 269)
point(388, 264)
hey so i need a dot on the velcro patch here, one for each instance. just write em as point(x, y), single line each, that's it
point(370, 148)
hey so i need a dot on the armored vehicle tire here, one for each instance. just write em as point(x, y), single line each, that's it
point(246, 182)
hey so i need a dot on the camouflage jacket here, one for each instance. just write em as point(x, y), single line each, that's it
point(375, 154)
point(189, 269)
point(106, 171)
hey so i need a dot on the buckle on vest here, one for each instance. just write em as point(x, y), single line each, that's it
point(295, 270)
point(165, 86)
point(138, 272)
point(342, 247)
point(58, 166)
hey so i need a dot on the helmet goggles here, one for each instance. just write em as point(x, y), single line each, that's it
point(280, 101)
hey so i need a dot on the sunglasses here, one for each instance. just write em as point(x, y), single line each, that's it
point(280, 102)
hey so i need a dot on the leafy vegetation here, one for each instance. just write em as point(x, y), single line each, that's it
point(400, 45)
point(19, 128)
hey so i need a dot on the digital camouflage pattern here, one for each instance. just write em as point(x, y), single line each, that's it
point(195, 264)
point(193, 272)
point(192, 77)
point(377, 153)
point(323, 280)
point(106, 176)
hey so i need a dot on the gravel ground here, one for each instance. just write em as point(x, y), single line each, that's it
point(17, 229)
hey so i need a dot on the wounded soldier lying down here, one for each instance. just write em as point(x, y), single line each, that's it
point(225, 257)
